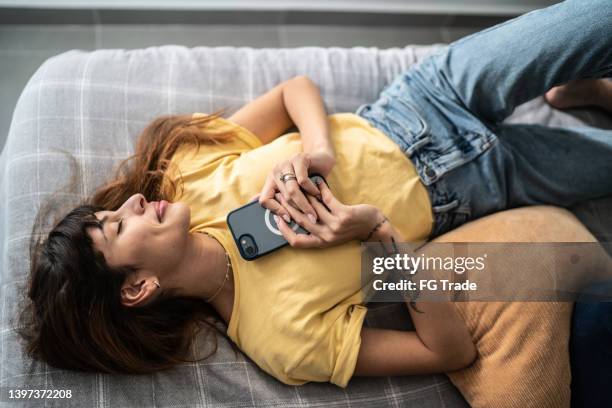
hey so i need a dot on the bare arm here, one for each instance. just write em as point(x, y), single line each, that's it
point(294, 102)
point(386, 352)
point(307, 110)
point(441, 341)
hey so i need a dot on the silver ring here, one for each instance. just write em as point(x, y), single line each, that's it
point(287, 176)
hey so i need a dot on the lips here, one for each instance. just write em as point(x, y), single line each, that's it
point(156, 208)
point(162, 209)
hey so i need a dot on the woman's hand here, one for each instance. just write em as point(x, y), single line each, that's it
point(337, 223)
point(322, 161)
point(300, 164)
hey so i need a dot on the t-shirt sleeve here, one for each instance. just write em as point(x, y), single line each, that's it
point(334, 358)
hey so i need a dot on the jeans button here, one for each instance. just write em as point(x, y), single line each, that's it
point(429, 172)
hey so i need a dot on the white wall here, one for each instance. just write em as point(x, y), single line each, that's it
point(489, 7)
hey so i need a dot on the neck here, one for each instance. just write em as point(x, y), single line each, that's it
point(203, 271)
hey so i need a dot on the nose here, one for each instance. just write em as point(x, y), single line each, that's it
point(138, 203)
point(142, 201)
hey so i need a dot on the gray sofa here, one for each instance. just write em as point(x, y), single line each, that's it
point(93, 105)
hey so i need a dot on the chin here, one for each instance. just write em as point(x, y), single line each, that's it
point(182, 212)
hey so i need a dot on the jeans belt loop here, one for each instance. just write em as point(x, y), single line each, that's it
point(416, 146)
point(444, 208)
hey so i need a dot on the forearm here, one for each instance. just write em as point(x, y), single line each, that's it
point(386, 352)
point(438, 325)
point(307, 111)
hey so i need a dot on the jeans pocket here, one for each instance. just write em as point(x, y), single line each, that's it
point(402, 118)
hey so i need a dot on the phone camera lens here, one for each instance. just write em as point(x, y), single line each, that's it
point(248, 245)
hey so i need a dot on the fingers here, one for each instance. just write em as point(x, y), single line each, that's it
point(300, 218)
point(298, 197)
point(322, 212)
point(267, 199)
point(298, 240)
point(328, 198)
point(301, 172)
point(291, 191)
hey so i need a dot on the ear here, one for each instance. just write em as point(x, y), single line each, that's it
point(138, 291)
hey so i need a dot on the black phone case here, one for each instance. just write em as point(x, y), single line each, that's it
point(255, 225)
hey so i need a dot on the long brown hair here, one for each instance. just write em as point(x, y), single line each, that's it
point(72, 316)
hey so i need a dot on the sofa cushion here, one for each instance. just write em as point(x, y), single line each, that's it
point(523, 347)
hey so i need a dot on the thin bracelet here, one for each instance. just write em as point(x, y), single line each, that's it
point(377, 227)
point(384, 248)
point(394, 246)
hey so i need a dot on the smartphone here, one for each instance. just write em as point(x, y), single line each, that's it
point(254, 230)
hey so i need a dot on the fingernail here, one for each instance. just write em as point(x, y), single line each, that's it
point(276, 218)
point(287, 218)
point(312, 218)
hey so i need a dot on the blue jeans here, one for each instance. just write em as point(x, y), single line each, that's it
point(446, 115)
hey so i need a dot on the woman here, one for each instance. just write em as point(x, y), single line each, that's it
point(131, 262)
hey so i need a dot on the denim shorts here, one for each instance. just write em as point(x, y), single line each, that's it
point(446, 114)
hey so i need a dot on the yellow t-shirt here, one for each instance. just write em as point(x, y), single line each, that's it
point(298, 313)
